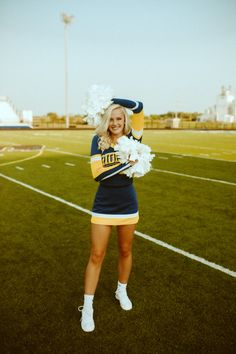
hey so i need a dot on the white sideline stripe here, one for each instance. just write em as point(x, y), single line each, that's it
point(46, 194)
point(187, 254)
point(19, 168)
point(68, 153)
point(69, 164)
point(196, 177)
point(46, 166)
point(147, 237)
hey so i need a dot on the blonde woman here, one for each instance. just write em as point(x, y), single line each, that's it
point(115, 202)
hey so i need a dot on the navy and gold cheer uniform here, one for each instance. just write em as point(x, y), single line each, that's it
point(115, 201)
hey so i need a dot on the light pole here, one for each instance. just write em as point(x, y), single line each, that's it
point(67, 20)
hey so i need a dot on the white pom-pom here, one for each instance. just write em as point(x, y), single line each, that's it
point(97, 99)
point(132, 150)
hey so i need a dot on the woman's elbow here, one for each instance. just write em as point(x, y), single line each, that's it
point(139, 108)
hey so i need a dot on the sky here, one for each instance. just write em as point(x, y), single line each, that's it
point(172, 55)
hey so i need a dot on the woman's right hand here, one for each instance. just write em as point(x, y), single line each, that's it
point(132, 163)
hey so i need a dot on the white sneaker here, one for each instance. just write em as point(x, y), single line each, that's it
point(87, 322)
point(125, 302)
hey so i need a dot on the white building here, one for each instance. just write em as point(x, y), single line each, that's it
point(224, 110)
point(225, 106)
point(11, 117)
point(173, 123)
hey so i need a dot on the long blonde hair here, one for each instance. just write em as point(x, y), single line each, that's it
point(103, 128)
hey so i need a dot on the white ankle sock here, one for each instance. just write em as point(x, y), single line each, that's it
point(88, 301)
point(121, 286)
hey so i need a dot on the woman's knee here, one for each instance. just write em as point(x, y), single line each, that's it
point(96, 257)
point(125, 251)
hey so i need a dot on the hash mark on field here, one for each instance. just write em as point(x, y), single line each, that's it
point(163, 157)
point(147, 237)
point(46, 166)
point(19, 168)
point(69, 164)
point(177, 156)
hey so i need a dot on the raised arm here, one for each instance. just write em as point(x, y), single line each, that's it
point(137, 122)
point(101, 172)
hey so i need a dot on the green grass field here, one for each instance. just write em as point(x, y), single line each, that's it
point(188, 201)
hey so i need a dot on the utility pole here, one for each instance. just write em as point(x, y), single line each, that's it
point(67, 20)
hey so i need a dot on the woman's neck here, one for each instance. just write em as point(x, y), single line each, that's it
point(114, 138)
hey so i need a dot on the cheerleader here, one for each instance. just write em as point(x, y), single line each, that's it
point(115, 203)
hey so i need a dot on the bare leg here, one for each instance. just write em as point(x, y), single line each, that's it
point(99, 238)
point(125, 240)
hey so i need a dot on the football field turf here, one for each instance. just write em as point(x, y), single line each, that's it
point(183, 279)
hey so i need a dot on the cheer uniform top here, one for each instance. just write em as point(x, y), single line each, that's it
point(115, 202)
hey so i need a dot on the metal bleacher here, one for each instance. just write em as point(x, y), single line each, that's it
point(10, 117)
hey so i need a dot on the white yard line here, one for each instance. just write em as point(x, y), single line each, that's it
point(199, 147)
point(68, 153)
point(160, 157)
point(209, 158)
point(195, 177)
point(198, 157)
point(140, 234)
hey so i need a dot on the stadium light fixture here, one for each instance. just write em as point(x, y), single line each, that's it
point(67, 21)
